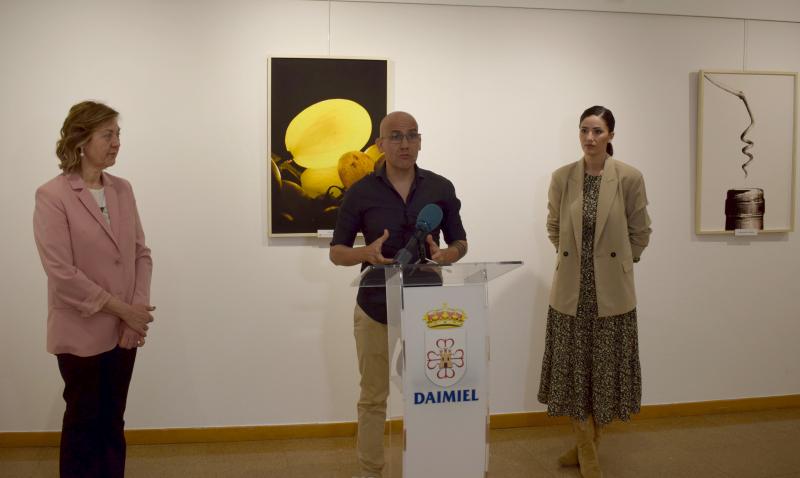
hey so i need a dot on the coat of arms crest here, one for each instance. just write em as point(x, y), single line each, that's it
point(445, 345)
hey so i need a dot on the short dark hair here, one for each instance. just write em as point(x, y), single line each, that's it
point(606, 115)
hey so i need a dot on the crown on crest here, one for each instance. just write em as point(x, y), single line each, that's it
point(444, 318)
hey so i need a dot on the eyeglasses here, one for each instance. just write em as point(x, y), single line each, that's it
point(396, 137)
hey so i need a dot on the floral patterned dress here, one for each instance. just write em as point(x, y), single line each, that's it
point(591, 364)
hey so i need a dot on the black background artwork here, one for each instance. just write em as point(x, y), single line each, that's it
point(296, 84)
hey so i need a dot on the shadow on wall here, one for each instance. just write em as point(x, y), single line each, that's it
point(337, 342)
point(525, 284)
point(538, 287)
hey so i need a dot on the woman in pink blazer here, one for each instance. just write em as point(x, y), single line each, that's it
point(91, 244)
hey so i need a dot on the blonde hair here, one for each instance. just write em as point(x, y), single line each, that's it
point(83, 119)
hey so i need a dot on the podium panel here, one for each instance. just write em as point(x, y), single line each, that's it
point(445, 389)
point(439, 358)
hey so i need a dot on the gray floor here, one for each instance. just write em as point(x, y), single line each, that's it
point(742, 445)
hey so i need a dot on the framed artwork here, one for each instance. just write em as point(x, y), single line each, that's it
point(324, 117)
point(746, 152)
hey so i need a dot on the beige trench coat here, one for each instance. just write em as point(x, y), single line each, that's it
point(621, 233)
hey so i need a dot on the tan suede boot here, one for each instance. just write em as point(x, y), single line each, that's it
point(570, 457)
point(587, 451)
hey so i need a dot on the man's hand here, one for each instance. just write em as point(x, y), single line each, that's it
point(342, 255)
point(449, 255)
point(372, 252)
point(437, 255)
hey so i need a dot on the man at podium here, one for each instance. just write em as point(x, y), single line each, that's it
point(384, 206)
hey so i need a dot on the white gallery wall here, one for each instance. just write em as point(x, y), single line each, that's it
point(251, 330)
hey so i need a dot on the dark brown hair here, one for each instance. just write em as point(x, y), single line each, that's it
point(607, 116)
point(82, 120)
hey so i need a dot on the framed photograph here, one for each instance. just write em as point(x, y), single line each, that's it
point(746, 152)
point(324, 117)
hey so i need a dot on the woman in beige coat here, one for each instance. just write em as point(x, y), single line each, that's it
point(597, 220)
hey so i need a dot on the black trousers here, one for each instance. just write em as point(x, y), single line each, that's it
point(92, 437)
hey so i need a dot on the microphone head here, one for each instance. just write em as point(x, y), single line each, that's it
point(429, 218)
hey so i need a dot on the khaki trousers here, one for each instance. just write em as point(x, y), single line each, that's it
point(372, 349)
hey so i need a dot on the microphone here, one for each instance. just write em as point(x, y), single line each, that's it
point(428, 219)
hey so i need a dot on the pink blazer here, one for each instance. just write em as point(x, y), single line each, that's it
point(87, 261)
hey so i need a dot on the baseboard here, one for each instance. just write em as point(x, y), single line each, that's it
point(347, 429)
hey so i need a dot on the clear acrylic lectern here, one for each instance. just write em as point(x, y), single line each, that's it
point(439, 359)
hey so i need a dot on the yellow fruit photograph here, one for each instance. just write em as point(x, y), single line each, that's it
point(324, 117)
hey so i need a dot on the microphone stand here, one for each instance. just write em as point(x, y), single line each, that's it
point(421, 251)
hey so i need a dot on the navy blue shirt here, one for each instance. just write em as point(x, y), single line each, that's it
point(372, 205)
